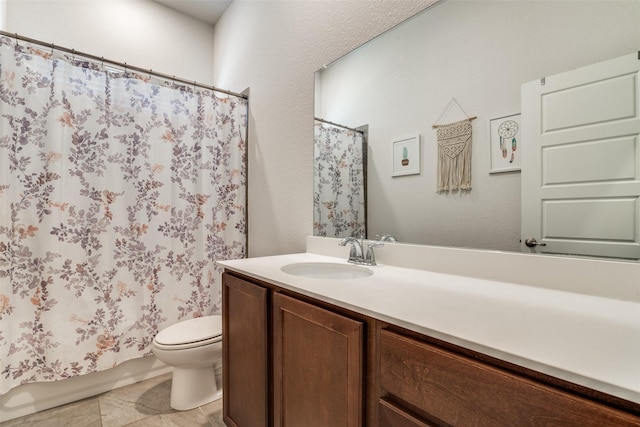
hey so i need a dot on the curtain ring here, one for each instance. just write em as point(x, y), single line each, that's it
point(52, 47)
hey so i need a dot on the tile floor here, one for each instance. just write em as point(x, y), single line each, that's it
point(145, 404)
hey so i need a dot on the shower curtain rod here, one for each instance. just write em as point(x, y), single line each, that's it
point(119, 64)
point(339, 125)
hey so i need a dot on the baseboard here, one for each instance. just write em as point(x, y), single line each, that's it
point(35, 397)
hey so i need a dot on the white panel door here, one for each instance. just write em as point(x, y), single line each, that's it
point(581, 161)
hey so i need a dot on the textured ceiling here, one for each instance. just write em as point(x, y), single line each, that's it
point(208, 11)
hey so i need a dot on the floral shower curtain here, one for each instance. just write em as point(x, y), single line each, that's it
point(117, 194)
point(339, 182)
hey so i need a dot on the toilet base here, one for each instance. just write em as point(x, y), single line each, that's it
point(193, 387)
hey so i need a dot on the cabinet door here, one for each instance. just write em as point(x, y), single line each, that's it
point(318, 366)
point(245, 361)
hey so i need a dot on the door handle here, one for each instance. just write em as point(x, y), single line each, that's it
point(531, 242)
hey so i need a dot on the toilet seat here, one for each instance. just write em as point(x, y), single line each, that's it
point(190, 333)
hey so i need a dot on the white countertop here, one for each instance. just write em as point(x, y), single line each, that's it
point(589, 340)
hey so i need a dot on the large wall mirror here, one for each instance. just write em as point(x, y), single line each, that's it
point(456, 59)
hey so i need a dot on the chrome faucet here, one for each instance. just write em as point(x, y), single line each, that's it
point(357, 253)
point(388, 238)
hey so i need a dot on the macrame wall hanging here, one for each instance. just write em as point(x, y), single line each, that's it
point(454, 152)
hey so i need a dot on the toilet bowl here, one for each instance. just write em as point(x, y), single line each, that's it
point(194, 349)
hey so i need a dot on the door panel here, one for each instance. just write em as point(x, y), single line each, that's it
point(605, 101)
point(612, 159)
point(600, 219)
point(318, 366)
point(245, 353)
point(581, 161)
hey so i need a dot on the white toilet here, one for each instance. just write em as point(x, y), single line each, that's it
point(194, 348)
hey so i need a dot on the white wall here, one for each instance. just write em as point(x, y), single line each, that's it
point(479, 52)
point(3, 13)
point(274, 47)
point(138, 32)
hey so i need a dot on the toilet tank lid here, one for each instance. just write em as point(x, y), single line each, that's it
point(191, 330)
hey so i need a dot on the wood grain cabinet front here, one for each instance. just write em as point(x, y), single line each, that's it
point(318, 366)
point(293, 361)
point(451, 389)
point(245, 353)
point(287, 362)
point(391, 415)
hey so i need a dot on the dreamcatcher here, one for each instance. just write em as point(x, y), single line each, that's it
point(508, 130)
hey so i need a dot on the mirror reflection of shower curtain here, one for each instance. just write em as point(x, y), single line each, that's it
point(118, 192)
point(339, 197)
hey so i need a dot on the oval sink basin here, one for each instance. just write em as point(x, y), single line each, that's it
point(326, 270)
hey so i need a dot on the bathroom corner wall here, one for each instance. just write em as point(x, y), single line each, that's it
point(141, 33)
point(3, 14)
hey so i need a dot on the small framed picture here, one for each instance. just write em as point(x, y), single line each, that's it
point(406, 156)
point(505, 143)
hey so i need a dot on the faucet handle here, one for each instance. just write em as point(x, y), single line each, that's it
point(353, 253)
point(371, 256)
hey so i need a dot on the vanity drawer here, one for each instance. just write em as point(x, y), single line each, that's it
point(461, 391)
point(392, 416)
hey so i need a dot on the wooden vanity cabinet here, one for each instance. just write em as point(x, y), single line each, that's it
point(291, 361)
point(287, 362)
